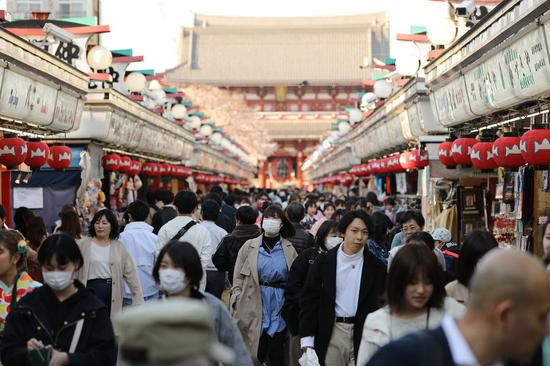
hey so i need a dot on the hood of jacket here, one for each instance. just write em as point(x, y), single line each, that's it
point(246, 232)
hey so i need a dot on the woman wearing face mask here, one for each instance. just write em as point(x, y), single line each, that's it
point(259, 282)
point(415, 301)
point(328, 237)
point(107, 264)
point(62, 321)
point(178, 271)
point(14, 281)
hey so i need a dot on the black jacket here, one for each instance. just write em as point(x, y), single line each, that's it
point(40, 315)
point(294, 285)
point(225, 256)
point(302, 239)
point(318, 300)
point(162, 216)
point(225, 223)
point(425, 348)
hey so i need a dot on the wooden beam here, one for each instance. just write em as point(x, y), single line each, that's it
point(121, 59)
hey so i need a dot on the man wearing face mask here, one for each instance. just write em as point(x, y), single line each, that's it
point(342, 287)
point(259, 282)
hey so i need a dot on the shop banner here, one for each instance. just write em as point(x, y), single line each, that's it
point(451, 103)
point(512, 75)
point(65, 115)
point(26, 99)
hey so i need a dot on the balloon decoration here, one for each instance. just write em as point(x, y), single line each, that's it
point(461, 150)
point(13, 151)
point(535, 147)
point(37, 154)
point(444, 154)
point(482, 156)
point(507, 153)
point(125, 164)
point(60, 157)
point(111, 162)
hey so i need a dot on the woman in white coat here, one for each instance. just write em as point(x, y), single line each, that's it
point(415, 301)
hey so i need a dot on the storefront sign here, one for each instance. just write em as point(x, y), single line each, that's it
point(510, 76)
point(451, 103)
point(67, 112)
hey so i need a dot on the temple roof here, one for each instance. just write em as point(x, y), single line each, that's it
point(235, 51)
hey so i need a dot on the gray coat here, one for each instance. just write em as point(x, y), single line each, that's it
point(226, 328)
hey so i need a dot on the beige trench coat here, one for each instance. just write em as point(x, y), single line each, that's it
point(246, 301)
point(122, 269)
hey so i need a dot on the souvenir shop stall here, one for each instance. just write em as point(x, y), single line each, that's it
point(490, 89)
point(40, 95)
point(394, 142)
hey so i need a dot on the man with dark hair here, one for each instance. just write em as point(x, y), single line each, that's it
point(226, 255)
point(223, 220)
point(505, 322)
point(295, 213)
point(139, 240)
point(340, 204)
point(215, 280)
point(166, 213)
point(342, 288)
point(3, 217)
point(183, 227)
point(227, 209)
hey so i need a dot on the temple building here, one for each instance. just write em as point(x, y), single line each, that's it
point(297, 74)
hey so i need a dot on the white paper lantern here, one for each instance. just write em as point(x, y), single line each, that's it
point(154, 85)
point(368, 98)
point(355, 115)
point(326, 144)
point(99, 58)
point(158, 94)
point(407, 59)
point(195, 122)
point(179, 111)
point(135, 81)
point(441, 31)
point(216, 138)
point(344, 127)
point(206, 130)
point(382, 89)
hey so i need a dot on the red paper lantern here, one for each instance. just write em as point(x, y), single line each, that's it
point(37, 154)
point(419, 158)
point(507, 153)
point(444, 154)
point(200, 178)
point(535, 147)
point(163, 169)
point(150, 169)
point(405, 160)
point(13, 151)
point(375, 166)
point(482, 156)
point(135, 168)
point(393, 164)
point(125, 164)
point(111, 162)
point(461, 150)
point(346, 179)
point(60, 157)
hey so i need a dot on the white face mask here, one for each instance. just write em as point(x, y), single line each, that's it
point(172, 280)
point(271, 227)
point(58, 280)
point(333, 241)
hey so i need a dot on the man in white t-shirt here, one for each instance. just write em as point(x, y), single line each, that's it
point(186, 203)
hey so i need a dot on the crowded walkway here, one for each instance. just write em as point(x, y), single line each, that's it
point(273, 293)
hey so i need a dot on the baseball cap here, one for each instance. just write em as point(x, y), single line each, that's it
point(442, 234)
point(170, 330)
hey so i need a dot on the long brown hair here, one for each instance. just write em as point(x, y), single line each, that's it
point(9, 239)
point(70, 224)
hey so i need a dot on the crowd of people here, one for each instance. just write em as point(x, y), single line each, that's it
point(265, 278)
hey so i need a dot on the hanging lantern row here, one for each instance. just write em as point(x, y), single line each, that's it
point(15, 151)
point(216, 179)
point(510, 152)
point(344, 179)
point(407, 160)
point(124, 164)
